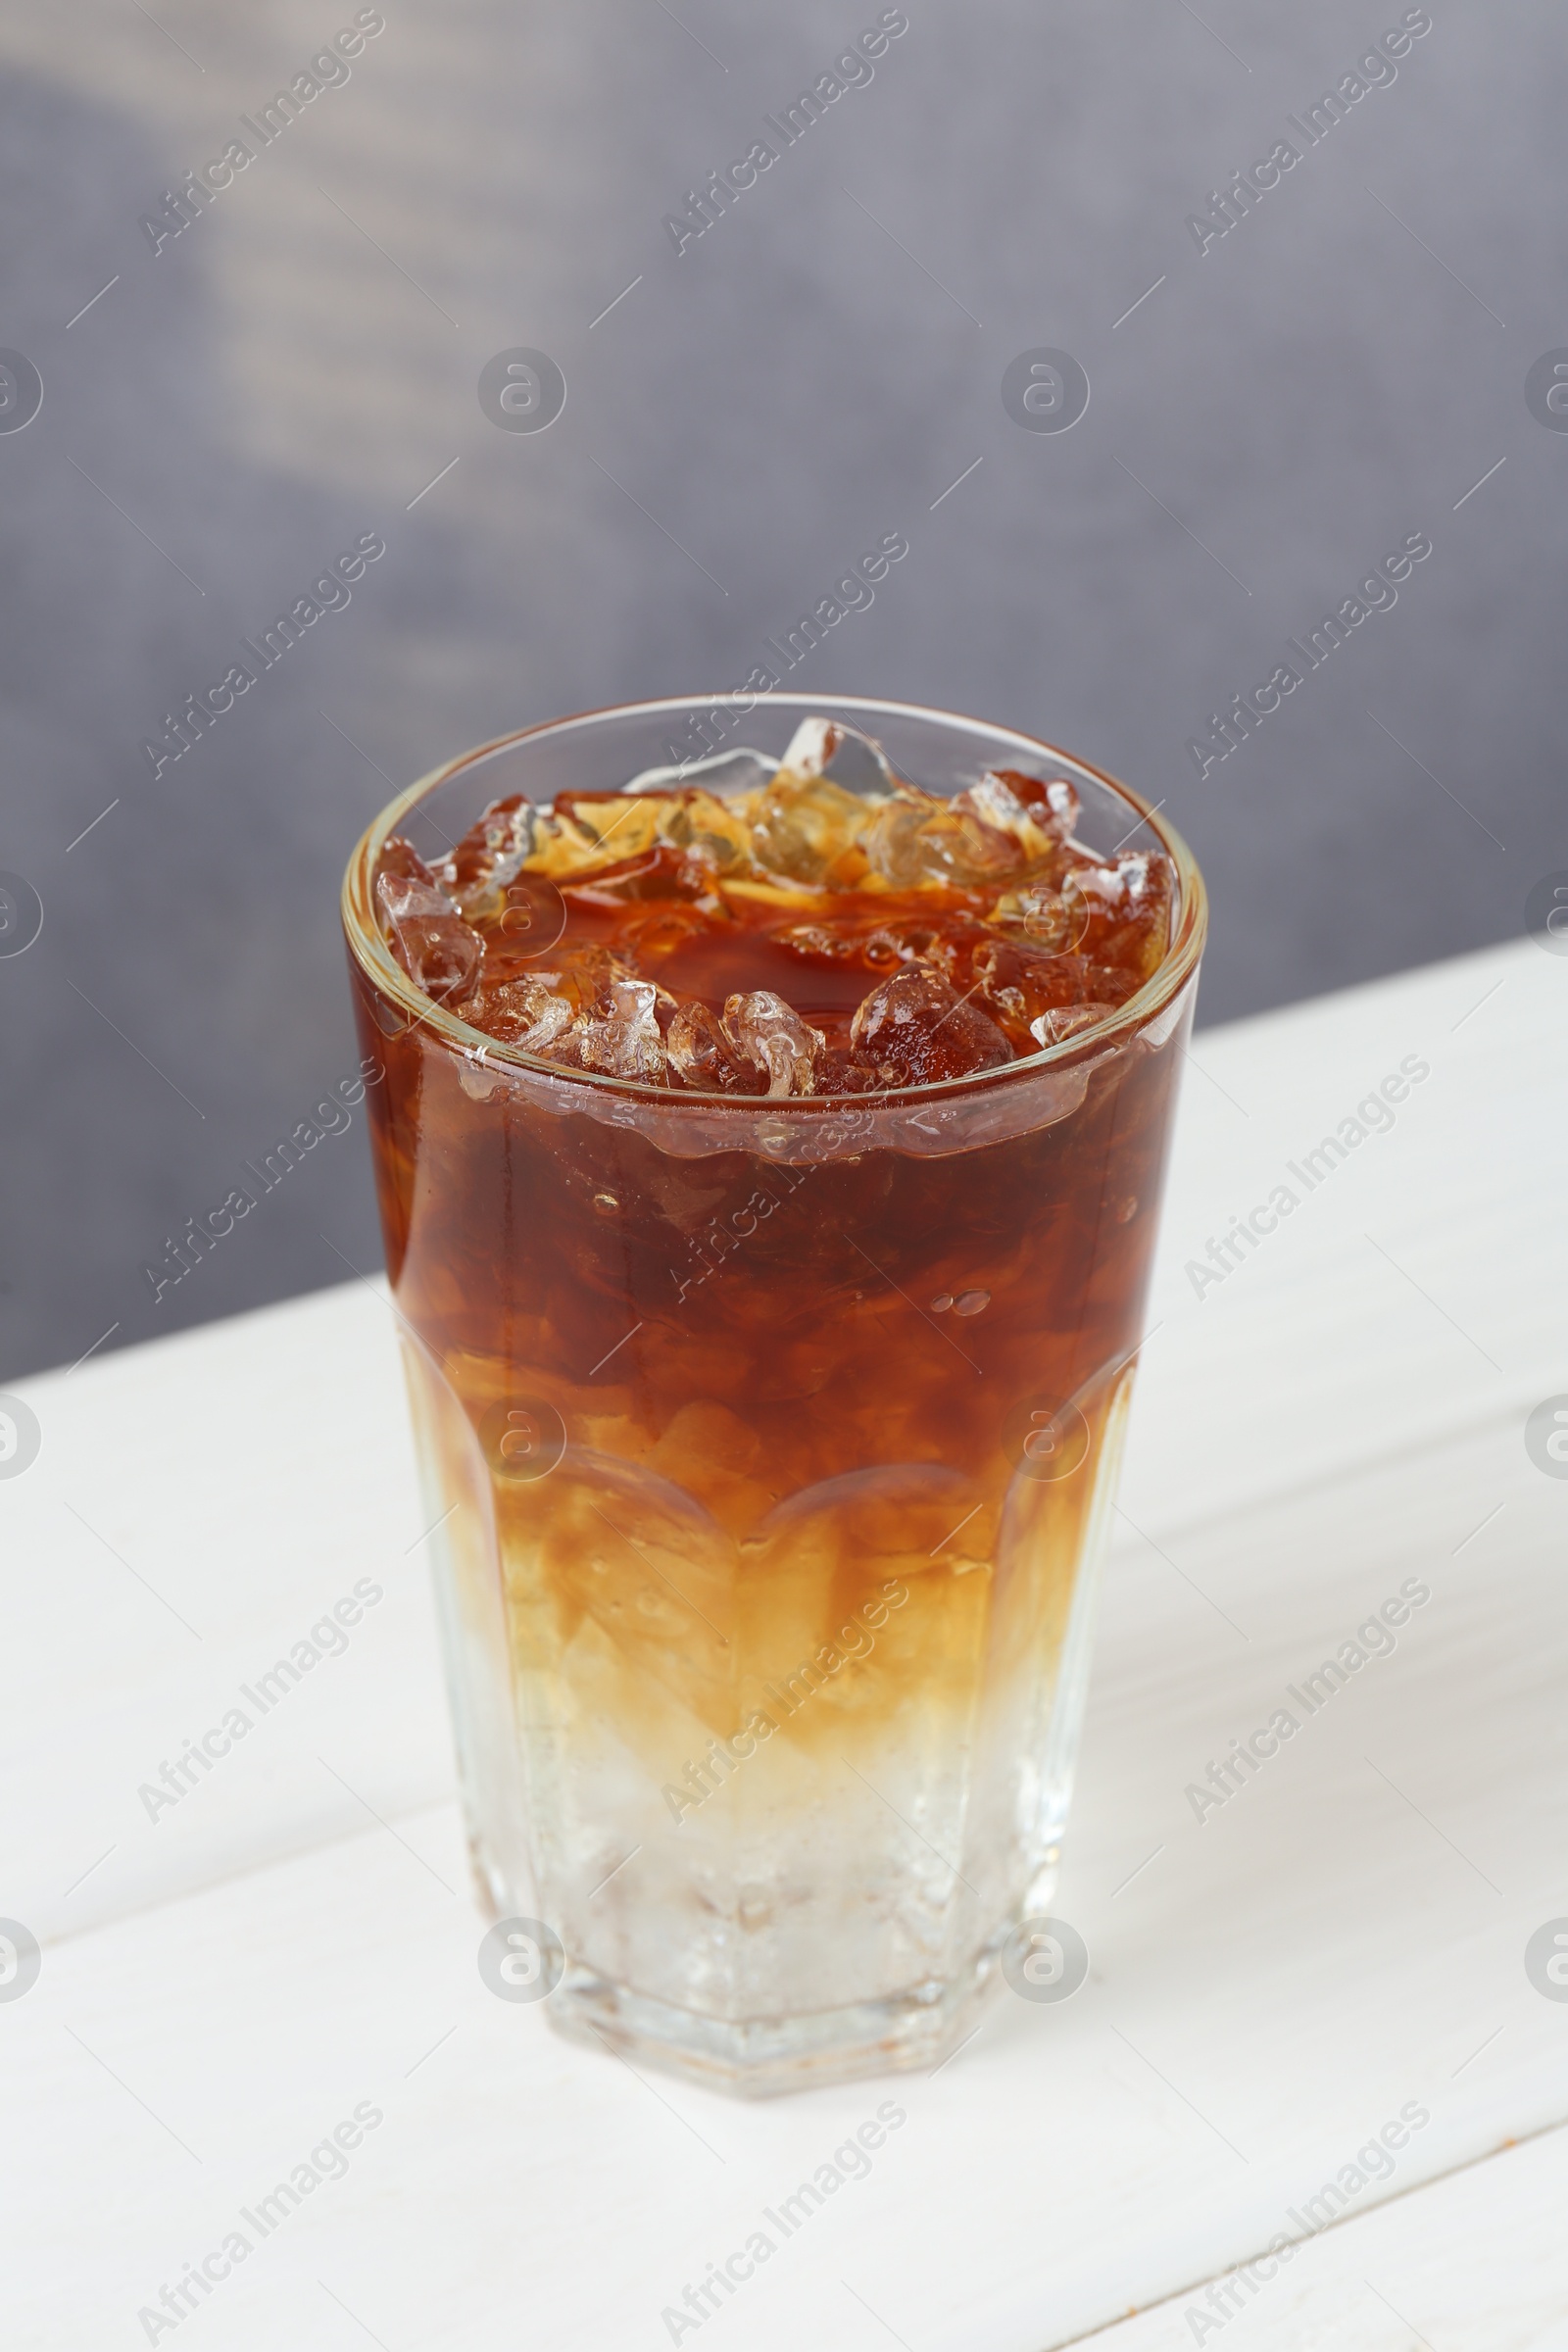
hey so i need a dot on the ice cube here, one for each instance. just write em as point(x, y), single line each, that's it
point(771, 1033)
point(894, 847)
point(1019, 983)
point(1129, 910)
point(584, 831)
point(915, 1028)
point(586, 973)
point(859, 763)
point(401, 861)
point(490, 854)
point(723, 773)
point(702, 824)
point(1001, 800)
point(624, 1037)
point(658, 872)
point(704, 1057)
point(806, 829)
point(811, 746)
point(1068, 1020)
point(527, 1012)
point(825, 746)
point(1061, 799)
point(1052, 920)
point(917, 838)
point(841, 1074)
point(429, 936)
point(1050, 804)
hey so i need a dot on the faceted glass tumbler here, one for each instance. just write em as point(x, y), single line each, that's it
point(771, 1447)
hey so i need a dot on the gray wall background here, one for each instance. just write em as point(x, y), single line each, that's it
point(814, 371)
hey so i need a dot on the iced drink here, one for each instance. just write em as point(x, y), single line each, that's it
point(769, 1156)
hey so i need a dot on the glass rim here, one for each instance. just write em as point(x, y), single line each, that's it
point(375, 960)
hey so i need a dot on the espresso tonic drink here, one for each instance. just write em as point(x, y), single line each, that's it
point(770, 1154)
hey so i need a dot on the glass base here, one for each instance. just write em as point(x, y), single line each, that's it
point(762, 2058)
point(909, 2031)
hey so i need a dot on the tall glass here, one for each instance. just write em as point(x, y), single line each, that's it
point(772, 1445)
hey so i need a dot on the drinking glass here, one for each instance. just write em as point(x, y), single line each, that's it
point(771, 1446)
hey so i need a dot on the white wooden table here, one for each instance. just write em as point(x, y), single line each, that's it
point(1341, 1942)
